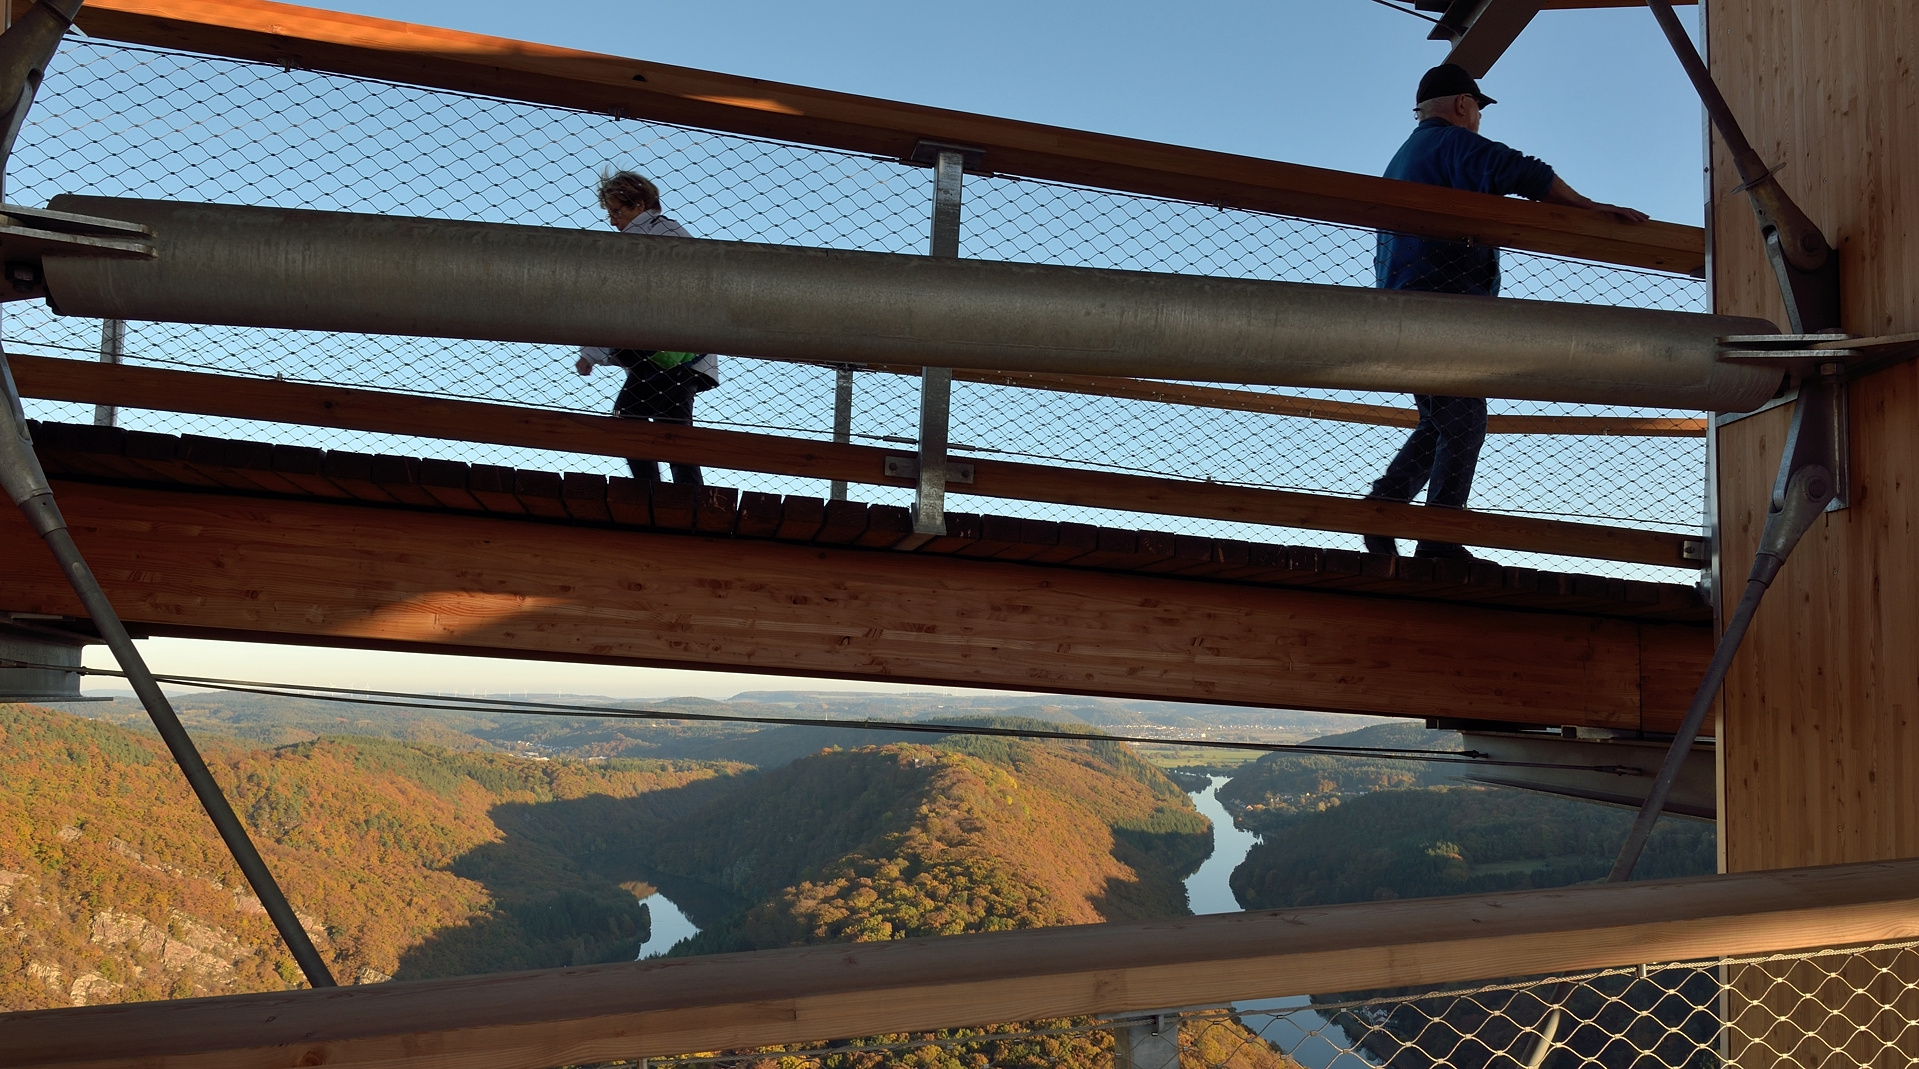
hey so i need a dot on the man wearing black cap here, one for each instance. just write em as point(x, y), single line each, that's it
point(1445, 149)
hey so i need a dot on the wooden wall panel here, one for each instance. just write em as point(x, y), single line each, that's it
point(296, 571)
point(1821, 752)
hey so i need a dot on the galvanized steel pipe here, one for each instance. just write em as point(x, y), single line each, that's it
point(275, 267)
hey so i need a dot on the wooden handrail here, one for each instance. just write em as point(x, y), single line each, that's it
point(447, 59)
point(1313, 407)
point(531, 1020)
point(380, 412)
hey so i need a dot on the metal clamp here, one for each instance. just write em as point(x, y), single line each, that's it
point(28, 234)
point(957, 471)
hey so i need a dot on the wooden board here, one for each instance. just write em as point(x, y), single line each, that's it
point(1231, 400)
point(1821, 743)
point(285, 570)
point(447, 59)
point(533, 1020)
point(275, 401)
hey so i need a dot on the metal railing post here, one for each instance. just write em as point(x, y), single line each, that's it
point(1147, 1042)
point(842, 418)
point(936, 383)
point(113, 349)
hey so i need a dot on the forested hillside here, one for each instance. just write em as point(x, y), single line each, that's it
point(1268, 794)
point(401, 858)
point(1453, 840)
point(965, 835)
point(411, 859)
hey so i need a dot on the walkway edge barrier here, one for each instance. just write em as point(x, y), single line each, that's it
point(373, 411)
point(534, 1020)
point(426, 56)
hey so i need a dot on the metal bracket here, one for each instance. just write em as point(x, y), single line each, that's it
point(936, 383)
point(927, 154)
point(1818, 366)
point(957, 471)
point(28, 234)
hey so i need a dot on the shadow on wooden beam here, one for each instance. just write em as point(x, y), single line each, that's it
point(289, 570)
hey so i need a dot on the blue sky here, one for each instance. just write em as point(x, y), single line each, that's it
point(1328, 83)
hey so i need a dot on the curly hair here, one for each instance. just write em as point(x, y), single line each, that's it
point(628, 189)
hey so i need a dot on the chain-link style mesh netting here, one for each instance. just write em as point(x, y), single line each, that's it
point(1828, 1008)
point(123, 120)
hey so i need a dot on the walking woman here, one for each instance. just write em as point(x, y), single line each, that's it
point(660, 386)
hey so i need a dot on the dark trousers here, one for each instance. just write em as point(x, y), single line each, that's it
point(1440, 455)
point(663, 396)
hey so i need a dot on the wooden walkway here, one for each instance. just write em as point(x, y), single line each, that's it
point(111, 455)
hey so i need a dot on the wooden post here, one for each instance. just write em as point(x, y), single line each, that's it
point(1819, 741)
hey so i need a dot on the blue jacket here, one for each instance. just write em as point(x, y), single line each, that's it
point(1441, 154)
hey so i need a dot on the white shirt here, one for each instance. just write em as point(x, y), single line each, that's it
point(652, 222)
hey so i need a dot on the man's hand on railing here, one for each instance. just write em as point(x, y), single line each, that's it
point(1561, 193)
point(583, 366)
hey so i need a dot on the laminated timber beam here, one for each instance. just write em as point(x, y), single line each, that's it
point(534, 1020)
point(361, 46)
point(282, 569)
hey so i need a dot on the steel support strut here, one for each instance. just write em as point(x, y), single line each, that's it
point(1807, 483)
point(25, 50)
point(1801, 257)
point(936, 383)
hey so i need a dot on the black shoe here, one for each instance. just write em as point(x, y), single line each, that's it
point(1443, 550)
point(1382, 545)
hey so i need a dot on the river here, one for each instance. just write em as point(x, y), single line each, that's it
point(1304, 1034)
point(670, 925)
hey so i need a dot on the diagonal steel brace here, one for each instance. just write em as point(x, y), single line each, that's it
point(25, 50)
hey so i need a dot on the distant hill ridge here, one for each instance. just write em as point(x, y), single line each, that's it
point(276, 721)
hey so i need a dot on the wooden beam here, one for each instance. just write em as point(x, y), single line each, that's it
point(1575, 5)
point(275, 401)
point(447, 59)
point(631, 1010)
point(1313, 407)
point(292, 570)
point(1496, 25)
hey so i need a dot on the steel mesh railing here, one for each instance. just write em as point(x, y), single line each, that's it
point(1826, 1008)
point(116, 119)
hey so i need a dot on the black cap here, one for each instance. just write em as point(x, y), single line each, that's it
point(1450, 79)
